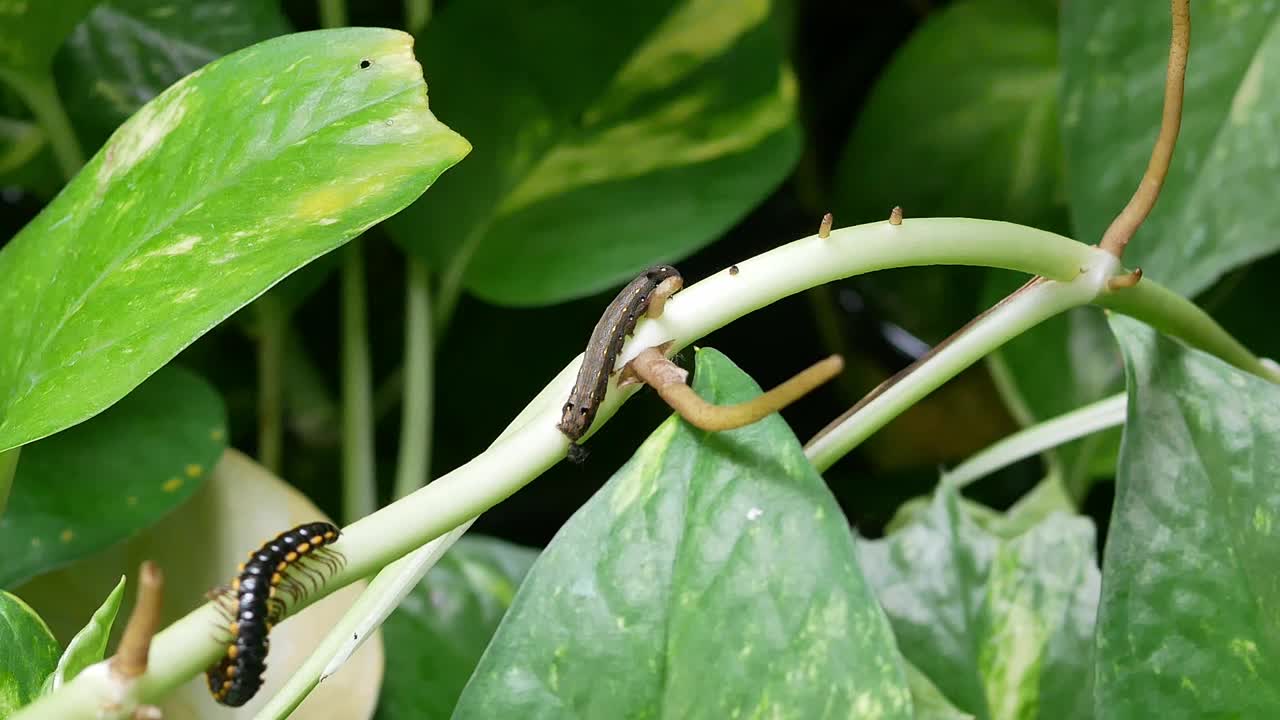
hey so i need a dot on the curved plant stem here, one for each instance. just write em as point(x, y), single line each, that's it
point(40, 94)
point(1021, 311)
point(416, 15)
point(273, 324)
point(1144, 198)
point(333, 13)
point(359, 491)
point(532, 444)
point(8, 468)
point(1095, 417)
point(414, 462)
point(1176, 316)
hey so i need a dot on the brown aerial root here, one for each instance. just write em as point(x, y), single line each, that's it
point(1128, 280)
point(824, 227)
point(130, 659)
point(658, 298)
point(895, 215)
point(653, 367)
point(1144, 198)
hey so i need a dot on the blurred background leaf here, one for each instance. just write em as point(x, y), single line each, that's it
point(437, 635)
point(608, 137)
point(102, 481)
point(127, 51)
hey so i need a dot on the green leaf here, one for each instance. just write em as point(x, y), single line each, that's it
point(127, 51)
point(927, 700)
point(95, 484)
point(28, 653)
point(437, 635)
point(1046, 498)
point(231, 179)
point(1003, 626)
point(31, 31)
point(1187, 623)
point(713, 576)
point(608, 135)
point(964, 121)
point(1216, 210)
point(90, 644)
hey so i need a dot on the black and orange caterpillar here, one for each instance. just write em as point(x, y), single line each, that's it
point(251, 607)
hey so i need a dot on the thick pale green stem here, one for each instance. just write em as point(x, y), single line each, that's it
point(359, 489)
point(1176, 316)
point(272, 325)
point(415, 410)
point(8, 468)
point(40, 94)
point(1095, 417)
point(333, 13)
point(1012, 317)
point(532, 444)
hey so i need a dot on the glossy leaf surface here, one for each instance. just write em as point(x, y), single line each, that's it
point(1187, 624)
point(608, 136)
point(97, 483)
point(1003, 627)
point(228, 181)
point(713, 576)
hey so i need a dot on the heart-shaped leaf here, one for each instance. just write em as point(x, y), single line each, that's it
point(228, 181)
point(713, 576)
point(1188, 621)
point(1004, 627)
point(28, 654)
point(100, 482)
point(437, 635)
point(608, 135)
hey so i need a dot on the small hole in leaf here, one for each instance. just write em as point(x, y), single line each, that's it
point(364, 64)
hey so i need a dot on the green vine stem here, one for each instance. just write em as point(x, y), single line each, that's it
point(273, 324)
point(8, 469)
point(1095, 417)
point(41, 95)
point(414, 461)
point(333, 13)
point(417, 13)
point(1013, 316)
point(359, 489)
point(532, 444)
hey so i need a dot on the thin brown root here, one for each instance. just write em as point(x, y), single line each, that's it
point(1128, 280)
point(658, 298)
point(1144, 198)
point(895, 215)
point(669, 380)
point(130, 659)
point(824, 228)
